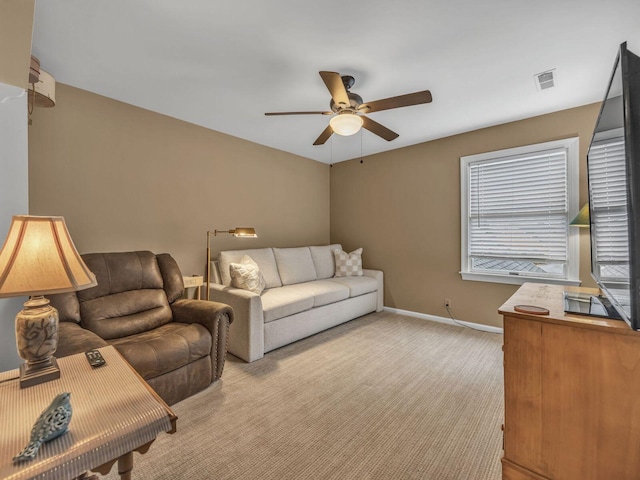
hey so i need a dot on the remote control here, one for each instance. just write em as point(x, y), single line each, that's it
point(95, 358)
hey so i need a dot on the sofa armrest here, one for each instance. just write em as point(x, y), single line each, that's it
point(215, 317)
point(379, 276)
point(246, 335)
point(72, 339)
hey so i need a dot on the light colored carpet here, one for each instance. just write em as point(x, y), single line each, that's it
point(382, 397)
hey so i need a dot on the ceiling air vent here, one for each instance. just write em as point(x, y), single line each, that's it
point(545, 80)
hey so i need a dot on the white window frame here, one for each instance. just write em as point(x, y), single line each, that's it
point(571, 145)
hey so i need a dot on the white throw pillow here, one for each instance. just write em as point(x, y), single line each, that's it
point(246, 275)
point(348, 264)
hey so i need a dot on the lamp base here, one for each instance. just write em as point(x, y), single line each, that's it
point(37, 341)
point(35, 374)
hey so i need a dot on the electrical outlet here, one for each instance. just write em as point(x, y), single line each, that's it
point(447, 303)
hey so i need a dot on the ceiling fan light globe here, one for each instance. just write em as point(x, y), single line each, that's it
point(346, 124)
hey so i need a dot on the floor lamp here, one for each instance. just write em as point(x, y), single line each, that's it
point(244, 232)
point(39, 258)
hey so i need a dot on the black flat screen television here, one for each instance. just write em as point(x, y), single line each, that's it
point(613, 166)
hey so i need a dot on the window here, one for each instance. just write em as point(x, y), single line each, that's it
point(516, 209)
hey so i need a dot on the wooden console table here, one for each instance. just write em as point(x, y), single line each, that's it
point(572, 392)
point(115, 413)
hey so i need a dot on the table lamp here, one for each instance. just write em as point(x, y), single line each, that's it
point(245, 232)
point(39, 258)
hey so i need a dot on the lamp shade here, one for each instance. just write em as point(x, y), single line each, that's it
point(246, 232)
point(346, 123)
point(39, 258)
point(582, 219)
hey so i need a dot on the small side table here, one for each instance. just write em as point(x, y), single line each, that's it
point(115, 413)
point(194, 281)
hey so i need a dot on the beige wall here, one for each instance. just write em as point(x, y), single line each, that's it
point(403, 207)
point(16, 26)
point(126, 178)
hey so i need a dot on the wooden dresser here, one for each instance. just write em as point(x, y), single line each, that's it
point(572, 392)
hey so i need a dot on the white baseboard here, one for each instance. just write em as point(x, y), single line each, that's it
point(448, 321)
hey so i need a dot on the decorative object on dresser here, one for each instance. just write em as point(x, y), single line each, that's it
point(177, 345)
point(244, 232)
point(571, 386)
point(39, 258)
point(304, 295)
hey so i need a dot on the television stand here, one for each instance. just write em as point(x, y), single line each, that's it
point(571, 391)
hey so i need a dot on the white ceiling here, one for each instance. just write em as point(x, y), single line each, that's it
point(222, 64)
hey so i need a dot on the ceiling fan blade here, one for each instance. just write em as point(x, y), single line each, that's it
point(268, 114)
point(378, 129)
point(333, 81)
point(407, 100)
point(324, 136)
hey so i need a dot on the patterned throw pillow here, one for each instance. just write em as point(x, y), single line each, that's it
point(246, 275)
point(348, 264)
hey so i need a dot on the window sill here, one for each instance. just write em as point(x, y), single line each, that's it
point(516, 279)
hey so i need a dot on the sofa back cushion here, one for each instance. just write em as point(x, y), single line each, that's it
point(262, 256)
point(324, 260)
point(129, 297)
point(295, 265)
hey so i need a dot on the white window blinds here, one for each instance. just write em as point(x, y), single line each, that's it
point(517, 213)
point(608, 192)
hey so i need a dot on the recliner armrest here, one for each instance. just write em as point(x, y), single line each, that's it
point(215, 317)
point(72, 339)
point(200, 311)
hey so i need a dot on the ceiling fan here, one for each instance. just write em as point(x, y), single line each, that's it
point(348, 108)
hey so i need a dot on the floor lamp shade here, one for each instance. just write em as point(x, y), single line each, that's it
point(39, 258)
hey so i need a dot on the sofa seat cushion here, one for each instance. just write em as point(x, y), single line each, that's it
point(325, 291)
point(284, 301)
point(165, 348)
point(357, 285)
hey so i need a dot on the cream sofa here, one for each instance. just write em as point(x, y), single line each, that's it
point(302, 297)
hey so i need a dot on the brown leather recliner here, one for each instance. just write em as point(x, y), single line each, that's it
point(178, 346)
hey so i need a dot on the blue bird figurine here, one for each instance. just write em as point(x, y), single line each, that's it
point(51, 423)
